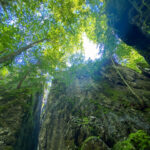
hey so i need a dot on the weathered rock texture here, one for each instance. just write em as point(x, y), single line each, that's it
point(18, 118)
point(131, 21)
point(95, 109)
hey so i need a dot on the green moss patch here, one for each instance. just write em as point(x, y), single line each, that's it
point(136, 141)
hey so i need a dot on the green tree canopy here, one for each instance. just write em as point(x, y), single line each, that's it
point(38, 36)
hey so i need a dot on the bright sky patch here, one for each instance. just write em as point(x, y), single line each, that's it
point(91, 49)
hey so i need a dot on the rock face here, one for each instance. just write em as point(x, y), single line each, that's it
point(101, 105)
point(18, 112)
point(131, 21)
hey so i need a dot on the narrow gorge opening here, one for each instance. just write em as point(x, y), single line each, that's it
point(74, 75)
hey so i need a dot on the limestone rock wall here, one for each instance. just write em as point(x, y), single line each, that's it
point(18, 112)
point(95, 109)
point(131, 22)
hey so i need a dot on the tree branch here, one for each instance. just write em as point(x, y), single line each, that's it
point(19, 51)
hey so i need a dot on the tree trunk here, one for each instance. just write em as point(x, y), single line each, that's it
point(21, 81)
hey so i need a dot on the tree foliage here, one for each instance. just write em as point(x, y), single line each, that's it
point(38, 36)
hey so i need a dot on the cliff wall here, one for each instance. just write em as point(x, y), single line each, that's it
point(94, 106)
point(19, 119)
point(130, 20)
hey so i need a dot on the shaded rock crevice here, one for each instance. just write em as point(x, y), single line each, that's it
point(130, 20)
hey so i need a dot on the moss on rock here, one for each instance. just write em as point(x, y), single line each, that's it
point(136, 141)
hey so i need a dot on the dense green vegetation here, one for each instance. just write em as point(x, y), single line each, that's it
point(41, 39)
point(37, 37)
point(136, 141)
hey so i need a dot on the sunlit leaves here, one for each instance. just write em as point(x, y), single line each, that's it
point(129, 56)
point(62, 23)
point(4, 72)
point(9, 38)
point(101, 0)
point(91, 28)
point(66, 11)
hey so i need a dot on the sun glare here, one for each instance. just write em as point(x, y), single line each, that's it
point(90, 49)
